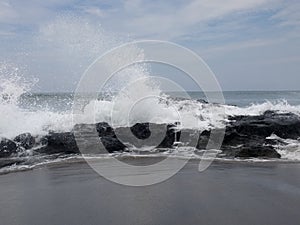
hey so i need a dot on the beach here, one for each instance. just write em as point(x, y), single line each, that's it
point(226, 193)
point(149, 112)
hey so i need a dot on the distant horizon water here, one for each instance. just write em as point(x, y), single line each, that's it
point(238, 98)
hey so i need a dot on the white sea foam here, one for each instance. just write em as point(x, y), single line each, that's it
point(13, 119)
point(194, 114)
point(73, 37)
point(290, 150)
point(281, 106)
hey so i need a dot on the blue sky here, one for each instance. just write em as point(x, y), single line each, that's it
point(249, 44)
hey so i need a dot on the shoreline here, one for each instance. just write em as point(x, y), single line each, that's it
point(81, 160)
point(226, 193)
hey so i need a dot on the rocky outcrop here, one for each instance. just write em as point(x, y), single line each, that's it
point(87, 138)
point(284, 125)
point(148, 134)
point(245, 136)
point(26, 141)
point(7, 147)
point(59, 143)
point(10, 161)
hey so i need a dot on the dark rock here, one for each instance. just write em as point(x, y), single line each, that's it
point(41, 140)
point(170, 137)
point(112, 144)
point(284, 125)
point(246, 136)
point(257, 152)
point(274, 142)
point(188, 137)
point(108, 138)
point(104, 130)
point(60, 143)
point(241, 146)
point(84, 138)
point(88, 140)
point(4, 162)
point(7, 147)
point(148, 134)
point(202, 101)
point(119, 139)
point(141, 130)
point(26, 140)
point(250, 151)
point(203, 140)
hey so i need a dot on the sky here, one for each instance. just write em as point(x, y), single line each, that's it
point(248, 44)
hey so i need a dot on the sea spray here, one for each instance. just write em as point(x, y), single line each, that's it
point(76, 43)
point(16, 120)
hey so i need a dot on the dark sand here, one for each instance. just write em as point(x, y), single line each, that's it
point(227, 193)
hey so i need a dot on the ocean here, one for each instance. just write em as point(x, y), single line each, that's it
point(136, 152)
point(63, 101)
point(46, 179)
point(41, 113)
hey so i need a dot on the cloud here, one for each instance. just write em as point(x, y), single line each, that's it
point(213, 28)
point(169, 20)
point(6, 12)
point(156, 18)
point(288, 15)
point(95, 11)
point(258, 43)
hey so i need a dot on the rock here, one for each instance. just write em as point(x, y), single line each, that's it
point(170, 137)
point(187, 137)
point(141, 130)
point(90, 136)
point(108, 138)
point(250, 151)
point(26, 140)
point(60, 143)
point(284, 125)
point(10, 161)
point(246, 136)
point(7, 148)
point(241, 146)
point(112, 144)
point(87, 139)
point(203, 140)
point(148, 134)
point(41, 141)
point(104, 130)
point(139, 135)
point(257, 152)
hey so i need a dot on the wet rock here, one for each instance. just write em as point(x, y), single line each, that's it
point(104, 130)
point(60, 143)
point(4, 162)
point(284, 125)
point(7, 147)
point(257, 152)
point(148, 134)
point(236, 145)
point(26, 140)
point(250, 151)
point(247, 136)
point(112, 144)
point(119, 139)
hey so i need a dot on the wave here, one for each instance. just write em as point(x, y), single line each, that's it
point(124, 103)
point(192, 113)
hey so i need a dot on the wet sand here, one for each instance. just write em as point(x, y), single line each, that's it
point(227, 193)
